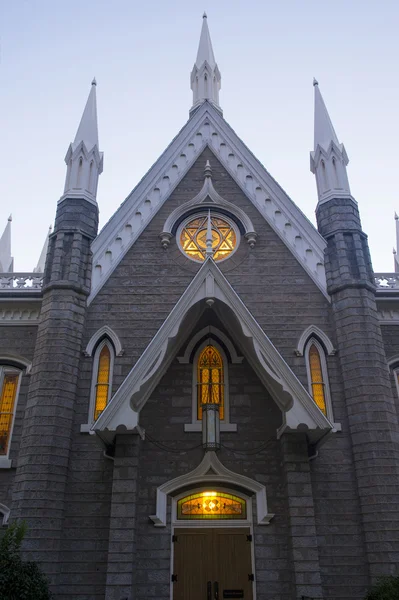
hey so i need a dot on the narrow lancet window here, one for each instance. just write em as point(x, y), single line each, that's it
point(8, 390)
point(210, 380)
point(103, 381)
point(317, 380)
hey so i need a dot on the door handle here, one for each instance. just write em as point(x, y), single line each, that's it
point(216, 590)
point(209, 590)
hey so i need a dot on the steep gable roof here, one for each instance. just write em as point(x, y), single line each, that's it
point(210, 288)
point(207, 128)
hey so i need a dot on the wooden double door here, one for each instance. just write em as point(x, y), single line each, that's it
point(212, 564)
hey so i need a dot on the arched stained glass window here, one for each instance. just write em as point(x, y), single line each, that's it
point(317, 380)
point(193, 237)
point(8, 394)
point(210, 380)
point(211, 505)
point(103, 381)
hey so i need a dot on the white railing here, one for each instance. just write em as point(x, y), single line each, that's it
point(21, 282)
point(387, 281)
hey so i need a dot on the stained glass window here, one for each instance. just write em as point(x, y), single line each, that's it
point(7, 404)
point(193, 238)
point(211, 505)
point(210, 380)
point(102, 384)
point(317, 381)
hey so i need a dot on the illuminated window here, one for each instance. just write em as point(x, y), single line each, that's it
point(211, 505)
point(193, 237)
point(317, 376)
point(210, 380)
point(102, 379)
point(9, 379)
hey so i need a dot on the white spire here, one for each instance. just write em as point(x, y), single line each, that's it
point(84, 160)
point(205, 50)
point(88, 129)
point(205, 76)
point(209, 238)
point(42, 258)
point(329, 158)
point(6, 260)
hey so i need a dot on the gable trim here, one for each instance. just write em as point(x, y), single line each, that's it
point(207, 128)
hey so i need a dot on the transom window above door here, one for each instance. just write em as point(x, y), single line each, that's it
point(211, 504)
point(192, 236)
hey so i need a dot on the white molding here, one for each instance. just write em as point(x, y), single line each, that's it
point(211, 286)
point(5, 512)
point(20, 362)
point(208, 197)
point(211, 470)
point(394, 360)
point(108, 332)
point(85, 427)
point(5, 462)
point(207, 128)
point(235, 358)
point(19, 316)
point(310, 331)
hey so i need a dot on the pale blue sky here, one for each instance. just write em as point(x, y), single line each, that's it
point(142, 54)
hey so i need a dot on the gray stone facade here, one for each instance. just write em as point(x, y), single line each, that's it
point(88, 505)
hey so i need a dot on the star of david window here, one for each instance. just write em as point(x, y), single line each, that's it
point(192, 237)
point(211, 505)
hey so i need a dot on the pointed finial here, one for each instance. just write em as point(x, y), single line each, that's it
point(94, 82)
point(208, 170)
point(204, 16)
point(393, 251)
point(315, 82)
point(10, 218)
point(209, 249)
point(396, 216)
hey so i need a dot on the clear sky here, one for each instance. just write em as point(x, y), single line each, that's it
point(142, 54)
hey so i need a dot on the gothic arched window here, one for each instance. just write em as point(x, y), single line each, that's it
point(210, 380)
point(9, 382)
point(317, 376)
point(103, 380)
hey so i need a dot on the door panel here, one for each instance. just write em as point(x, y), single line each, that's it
point(192, 564)
point(218, 555)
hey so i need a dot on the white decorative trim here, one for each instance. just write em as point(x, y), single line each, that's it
point(310, 331)
point(5, 462)
point(107, 332)
point(209, 198)
point(210, 284)
point(393, 361)
point(207, 128)
point(19, 316)
point(18, 361)
point(85, 427)
point(5, 511)
point(211, 470)
point(388, 317)
point(235, 358)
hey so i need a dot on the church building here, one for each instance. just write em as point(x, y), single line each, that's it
point(200, 401)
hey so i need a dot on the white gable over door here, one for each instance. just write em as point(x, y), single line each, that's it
point(207, 128)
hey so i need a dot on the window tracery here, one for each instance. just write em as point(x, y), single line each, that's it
point(193, 235)
point(211, 505)
point(210, 380)
point(318, 376)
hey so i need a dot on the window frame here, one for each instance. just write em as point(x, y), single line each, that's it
point(5, 461)
point(324, 371)
point(196, 425)
point(214, 214)
point(85, 428)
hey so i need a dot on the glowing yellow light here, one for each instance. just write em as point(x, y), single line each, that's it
point(193, 238)
point(208, 494)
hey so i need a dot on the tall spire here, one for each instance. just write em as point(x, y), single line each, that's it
point(88, 129)
point(84, 160)
point(329, 158)
point(42, 258)
point(205, 76)
point(6, 260)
